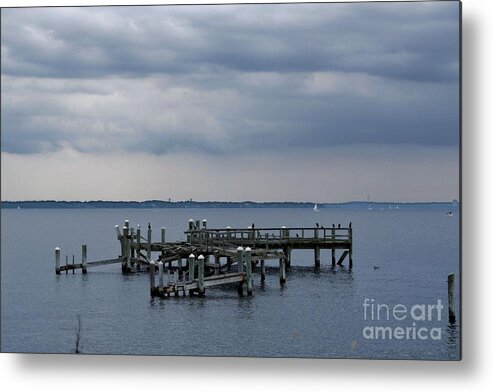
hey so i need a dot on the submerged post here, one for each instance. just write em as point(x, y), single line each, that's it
point(84, 259)
point(201, 274)
point(57, 260)
point(451, 311)
point(152, 276)
point(249, 278)
point(262, 270)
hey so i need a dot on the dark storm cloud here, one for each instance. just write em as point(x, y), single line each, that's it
point(221, 79)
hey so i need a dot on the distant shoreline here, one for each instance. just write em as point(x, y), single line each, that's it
point(159, 204)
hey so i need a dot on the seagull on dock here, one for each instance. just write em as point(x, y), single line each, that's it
point(297, 236)
point(316, 224)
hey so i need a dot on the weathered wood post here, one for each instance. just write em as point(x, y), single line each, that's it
point(161, 278)
point(350, 232)
point(217, 263)
point(149, 242)
point(191, 267)
point(132, 242)
point(126, 253)
point(137, 245)
point(333, 249)
point(228, 232)
point(451, 305)
point(239, 260)
point(152, 276)
point(66, 264)
point(190, 228)
point(249, 277)
point(73, 264)
point(317, 249)
point(57, 260)
point(84, 259)
point(262, 270)
point(201, 262)
point(119, 237)
point(163, 239)
point(180, 265)
point(282, 269)
point(198, 234)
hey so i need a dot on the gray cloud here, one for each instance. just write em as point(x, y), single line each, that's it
point(226, 79)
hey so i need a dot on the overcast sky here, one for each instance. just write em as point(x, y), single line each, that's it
point(318, 102)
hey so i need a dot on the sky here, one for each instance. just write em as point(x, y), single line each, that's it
point(300, 102)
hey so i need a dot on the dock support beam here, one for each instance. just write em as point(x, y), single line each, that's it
point(282, 270)
point(262, 270)
point(84, 259)
point(57, 260)
point(249, 278)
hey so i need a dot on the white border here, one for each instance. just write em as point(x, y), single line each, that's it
point(73, 373)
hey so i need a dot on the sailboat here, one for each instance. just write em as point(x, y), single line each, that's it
point(315, 208)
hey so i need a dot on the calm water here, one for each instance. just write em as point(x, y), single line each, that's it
point(313, 315)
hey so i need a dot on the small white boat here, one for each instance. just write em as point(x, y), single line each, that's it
point(315, 207)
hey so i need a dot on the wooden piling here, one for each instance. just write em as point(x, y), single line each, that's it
point(57, 260)
point(217, 263)
point(120, 238)
point(137, 245)
point(262, 270)
point(163, 239)
point(149, 242)
point(201, 274)
point(161, 278)
point(84, 259)
point(66, 264)
point(350, 233)
point(451, 305)
point(249, 277)
point(282, 270)
point(126, 250)
point(191, 267)
point(239, 259)
point(152, 276)
point(132, 243)
point(73, 264)
point(317, 257)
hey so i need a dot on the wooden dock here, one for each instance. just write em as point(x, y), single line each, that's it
point(213, 257)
